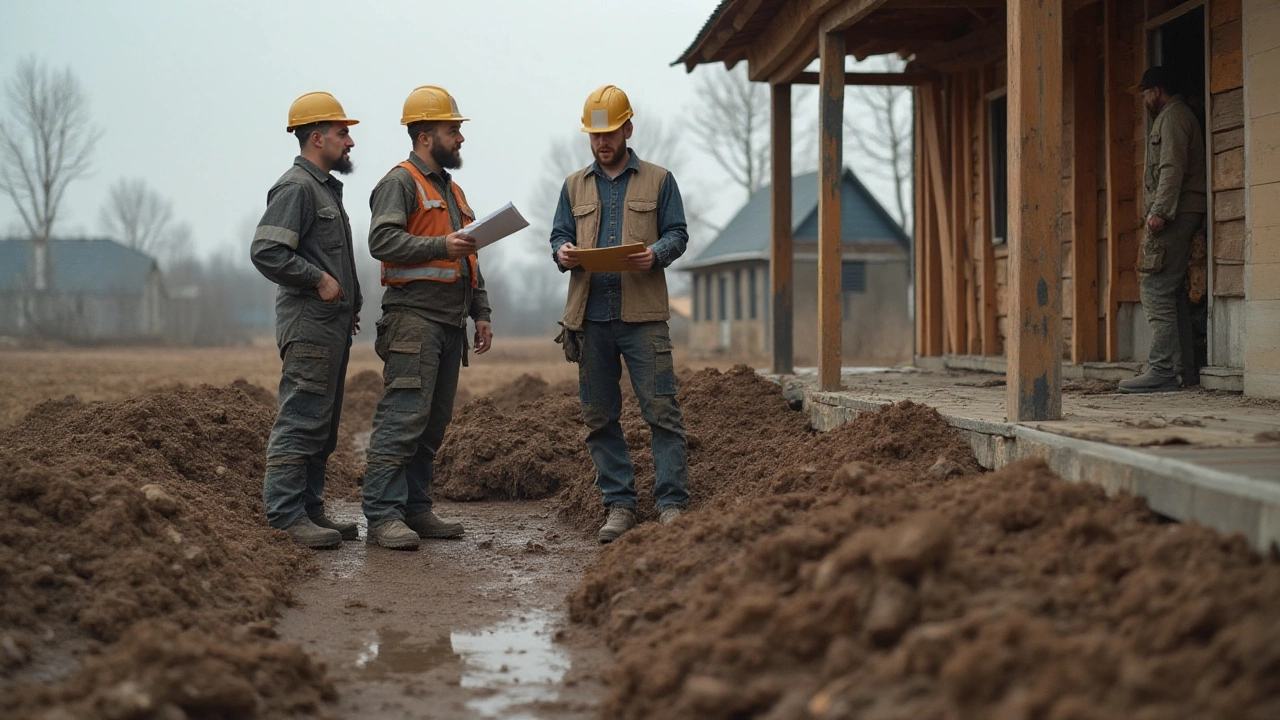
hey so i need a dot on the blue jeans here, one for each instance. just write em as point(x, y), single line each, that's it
point(646, 348)
point(420, 379)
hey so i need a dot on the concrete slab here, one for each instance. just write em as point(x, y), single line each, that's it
point(1195, 455)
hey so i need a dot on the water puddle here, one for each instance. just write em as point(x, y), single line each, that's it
point(516, 663)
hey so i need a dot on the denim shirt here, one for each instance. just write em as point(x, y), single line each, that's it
point(605, 300)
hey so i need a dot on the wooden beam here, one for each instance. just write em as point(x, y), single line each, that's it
point(975, 49)
point(943, 4)
point(782, 244)
point(793, 26)
point(1084, 178)
point(1035, 212)
point(727, 30)
point(931, 108)
point(1118, 21)
point(958, 146)
point(843, 16)
point(830, 243)
point(871, 78)
point(928, 264)
point(990, 340)
point(966, 193)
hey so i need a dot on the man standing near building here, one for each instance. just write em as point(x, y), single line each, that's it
point(303, 244)
point(433, 284)
point(1173, 195)
point(620, 316)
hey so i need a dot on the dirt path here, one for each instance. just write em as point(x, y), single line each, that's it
point(472, 628)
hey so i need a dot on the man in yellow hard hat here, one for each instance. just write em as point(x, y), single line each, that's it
point(303, 244)
point(619, 316)
point(433, 285)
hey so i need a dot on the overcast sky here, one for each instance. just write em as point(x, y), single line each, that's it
point(192, 97)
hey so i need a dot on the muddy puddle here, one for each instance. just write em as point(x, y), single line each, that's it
point(469, 628)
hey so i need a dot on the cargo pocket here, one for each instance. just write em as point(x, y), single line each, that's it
point(664, 370)
point(306, 366)
point(1152, 257)
point(402, 376)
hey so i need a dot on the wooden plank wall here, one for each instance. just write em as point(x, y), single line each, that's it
point(1226, 120)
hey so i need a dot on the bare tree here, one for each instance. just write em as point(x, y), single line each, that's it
point(138, 216)
point(45, 144)
point(879, 128)
point(732, 124)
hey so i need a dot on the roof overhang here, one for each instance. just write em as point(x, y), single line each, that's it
point(779, 39)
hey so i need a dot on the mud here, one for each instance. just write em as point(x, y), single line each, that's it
point(131, 534)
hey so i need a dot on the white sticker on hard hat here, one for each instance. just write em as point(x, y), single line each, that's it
point(599, 118)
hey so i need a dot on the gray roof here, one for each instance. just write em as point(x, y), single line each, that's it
point(96, 266)
point(747, 236)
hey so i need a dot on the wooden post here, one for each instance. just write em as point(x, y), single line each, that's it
point(1118, 21)
point(830, 167)
point(929, 281)
point(781, 245)
point(986, 253)
point(934, 124)
point(1084, 178)
point(1034, 38)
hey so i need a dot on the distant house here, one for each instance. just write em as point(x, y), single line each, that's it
point(98, 291)
point(731, 292)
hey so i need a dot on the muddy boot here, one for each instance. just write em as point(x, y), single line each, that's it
point(670, 515)
point(308, 534)
point(348, 530)
point(428, 526)
point(620, 520)
point(393, 534)
point(1150, 383)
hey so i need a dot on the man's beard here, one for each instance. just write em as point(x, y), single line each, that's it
point(621, 152)
point(343, 166)
point(449, 160)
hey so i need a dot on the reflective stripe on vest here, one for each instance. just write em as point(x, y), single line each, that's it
point(427, 221)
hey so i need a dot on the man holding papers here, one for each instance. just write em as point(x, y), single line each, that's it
point(619, 200)
point(433, 284)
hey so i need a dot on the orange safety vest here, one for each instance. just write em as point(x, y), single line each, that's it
point(431, 219)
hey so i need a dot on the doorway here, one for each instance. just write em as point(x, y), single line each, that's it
point(1178, 44)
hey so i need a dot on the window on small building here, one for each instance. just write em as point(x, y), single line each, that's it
point(737, 294)
point(706, 305)
point(853, 276)
point(998, 131)
point(723, 294)
point(695, 297)
point(751, 292)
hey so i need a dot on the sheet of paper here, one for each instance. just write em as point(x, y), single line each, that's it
point(607, 259)
point(496, 225)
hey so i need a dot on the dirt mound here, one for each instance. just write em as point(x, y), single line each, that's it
point(904, 589)
point(115, 514)
point(524, 389)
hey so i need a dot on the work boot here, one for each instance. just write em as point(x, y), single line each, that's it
point(428, 526)
point(393, 534)
point(348, 530)
point(1191, 379)
point(1149, 383)
point(670, 515)
point(620, 520)
point(308, 534)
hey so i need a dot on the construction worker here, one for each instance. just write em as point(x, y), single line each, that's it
point(433, 284)
point(620, 316)
point(303, 244)
point(1173, 195)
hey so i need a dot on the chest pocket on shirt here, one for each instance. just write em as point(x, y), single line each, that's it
point(329, 228)
point(588, 221)
point(641, 223)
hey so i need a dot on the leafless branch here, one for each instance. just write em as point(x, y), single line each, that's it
point(138, 216)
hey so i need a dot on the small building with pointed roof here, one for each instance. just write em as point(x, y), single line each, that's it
point(731, 291)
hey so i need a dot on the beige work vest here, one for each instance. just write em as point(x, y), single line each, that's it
point(644, 294)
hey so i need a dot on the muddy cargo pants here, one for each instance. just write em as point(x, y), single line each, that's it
point(646, 348)
point(305, 433)
point(420, 379)
point(1165, 259)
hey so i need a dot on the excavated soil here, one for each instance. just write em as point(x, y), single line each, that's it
point(870, 573)
point(132, 550)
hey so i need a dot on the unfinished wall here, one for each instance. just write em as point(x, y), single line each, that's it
point(1261, 51)
point(1227, 180)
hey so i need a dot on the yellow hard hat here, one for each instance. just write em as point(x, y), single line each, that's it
point(430, 102)
point(606, 109)
point(316, 107)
